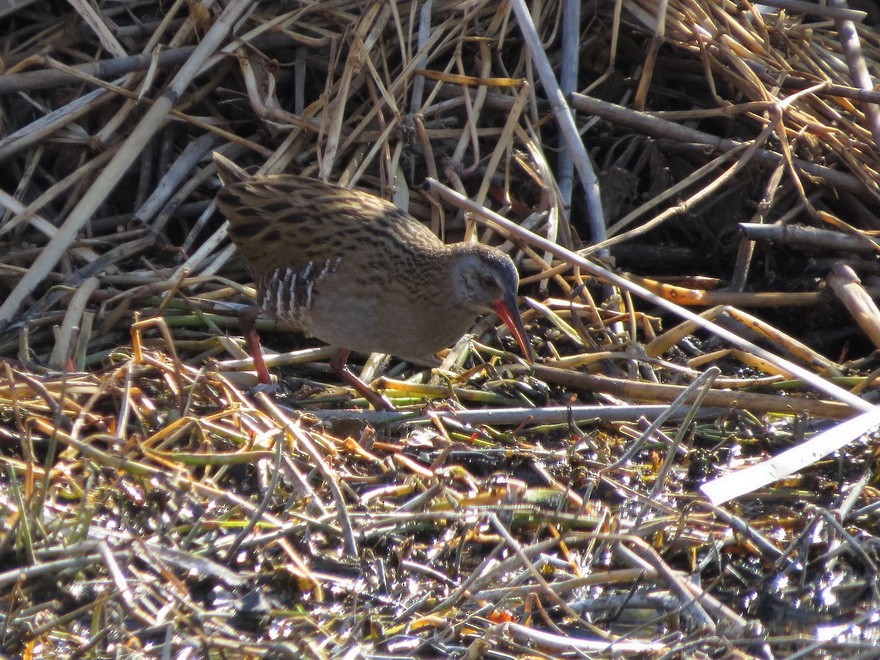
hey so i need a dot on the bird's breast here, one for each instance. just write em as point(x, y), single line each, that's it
point(369, 319)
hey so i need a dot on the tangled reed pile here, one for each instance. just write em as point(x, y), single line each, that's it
point(155, 504)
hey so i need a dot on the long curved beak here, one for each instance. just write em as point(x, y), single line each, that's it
point(509, 313)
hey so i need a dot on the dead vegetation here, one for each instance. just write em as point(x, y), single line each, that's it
point(154, 504)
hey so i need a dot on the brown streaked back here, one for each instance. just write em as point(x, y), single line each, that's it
point(279, 221)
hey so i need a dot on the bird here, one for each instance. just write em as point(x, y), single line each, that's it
point(357, 272)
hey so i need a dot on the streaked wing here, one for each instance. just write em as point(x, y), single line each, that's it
point(285, 220)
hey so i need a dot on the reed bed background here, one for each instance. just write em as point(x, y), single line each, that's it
point(156, 504)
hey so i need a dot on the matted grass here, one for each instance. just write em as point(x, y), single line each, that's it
point(156, 504)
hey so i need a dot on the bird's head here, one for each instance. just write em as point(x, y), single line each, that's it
point(484, 279)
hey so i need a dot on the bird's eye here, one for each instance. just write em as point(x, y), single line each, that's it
point(488, 281)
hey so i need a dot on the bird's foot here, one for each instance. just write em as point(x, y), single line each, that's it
point(266, 388)
point(339, 364)
point(374, 398)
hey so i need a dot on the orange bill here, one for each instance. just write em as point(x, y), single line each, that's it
point(509, 313)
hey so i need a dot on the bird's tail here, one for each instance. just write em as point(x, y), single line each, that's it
point(229, 172)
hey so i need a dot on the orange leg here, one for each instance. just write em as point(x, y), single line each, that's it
point(247, 319)
point(339, 364)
